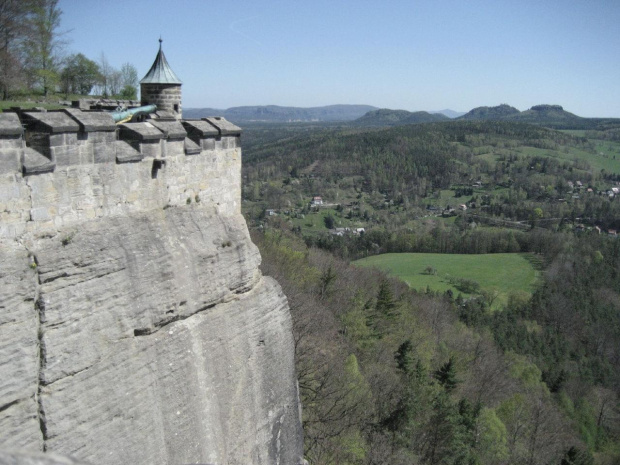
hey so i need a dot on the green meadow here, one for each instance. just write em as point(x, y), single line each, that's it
point(501, 274)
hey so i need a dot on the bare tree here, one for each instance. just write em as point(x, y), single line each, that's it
point(44, 43)
point(106, 69)
point(13, 28)
point(129, 81)
point(114, 82)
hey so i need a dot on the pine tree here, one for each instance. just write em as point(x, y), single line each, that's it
point(385, 301)
point(446, 375)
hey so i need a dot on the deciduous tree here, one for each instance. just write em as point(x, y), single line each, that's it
point(44, 44)
point(79, 75)
point(13, 31)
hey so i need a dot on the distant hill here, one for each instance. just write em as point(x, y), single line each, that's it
point(499, 112)
point(449, 113)
point(551, 116)
point(277, 114)
point(197, 113)
point(546, 113)
point(386, 117)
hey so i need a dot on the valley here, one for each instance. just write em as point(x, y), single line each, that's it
point(446, 276)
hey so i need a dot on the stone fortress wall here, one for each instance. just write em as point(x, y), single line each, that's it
point(135, 324)
point(58, 169)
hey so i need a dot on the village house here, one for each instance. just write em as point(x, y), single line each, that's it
point(316, 200)
point(339, 231)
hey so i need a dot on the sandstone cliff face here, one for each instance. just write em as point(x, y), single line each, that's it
point(147, 339)
point(135, 325)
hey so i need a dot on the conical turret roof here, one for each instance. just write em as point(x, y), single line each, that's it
point(160, 72)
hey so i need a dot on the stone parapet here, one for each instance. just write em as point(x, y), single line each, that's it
point(72, 166)
point(91, 121)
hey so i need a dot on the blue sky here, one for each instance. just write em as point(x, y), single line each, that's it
point(412, 55)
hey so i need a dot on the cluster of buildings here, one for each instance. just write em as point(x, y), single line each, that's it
point(578, 186)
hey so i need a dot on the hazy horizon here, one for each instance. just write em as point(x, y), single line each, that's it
point(416, 56)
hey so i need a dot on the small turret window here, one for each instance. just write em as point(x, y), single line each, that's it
point(176, 107)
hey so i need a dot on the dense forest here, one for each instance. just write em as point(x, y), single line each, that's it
point(524, 172)
point(393, 375)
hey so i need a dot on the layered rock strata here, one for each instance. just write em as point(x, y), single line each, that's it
point(135, 326)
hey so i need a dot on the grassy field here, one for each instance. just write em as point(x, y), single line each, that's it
point(606, 156)
point(51, 102)
point(504, 273)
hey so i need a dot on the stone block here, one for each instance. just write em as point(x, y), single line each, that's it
point(170, 129)
point(139, 131)
point(36, 163)
point(101, 137)
point(11, 141)
point(50, 122)
point(151, 149)
point(92, 121)
point(57, 140)
point(198, 129)
point(223, 126)
point(174, 148)
point(191, 147)
point(86, 154)
point(104, 152)
point(10, 125)
point(126, 152)
point(10, 160)
point(66, 155)
point(208, 144)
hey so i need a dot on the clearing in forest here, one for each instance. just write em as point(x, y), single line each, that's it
point(498, 275)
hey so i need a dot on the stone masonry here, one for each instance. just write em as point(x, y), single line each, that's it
point(69, 166)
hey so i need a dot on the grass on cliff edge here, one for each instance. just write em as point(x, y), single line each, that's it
point(504, 273)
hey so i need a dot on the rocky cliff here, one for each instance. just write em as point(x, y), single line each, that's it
point(142, 331)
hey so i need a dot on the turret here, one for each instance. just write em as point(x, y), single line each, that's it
point(162, 87)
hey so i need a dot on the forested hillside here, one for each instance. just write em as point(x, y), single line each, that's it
point(275, 113)
point(389, 375)
point(551, 116)
point(385, 117)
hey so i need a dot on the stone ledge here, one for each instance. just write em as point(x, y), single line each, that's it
point(50, 122)
point(170, 129)
point(224, 127)
point(139, 131)
point(191, 147)
point(91, 121)
point(200, 128)
point(36, 163)
point(127, 153)
point(10, 125)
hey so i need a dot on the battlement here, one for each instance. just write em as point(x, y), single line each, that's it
point(63, 167)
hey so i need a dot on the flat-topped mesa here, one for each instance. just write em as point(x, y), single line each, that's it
point(61, 167)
